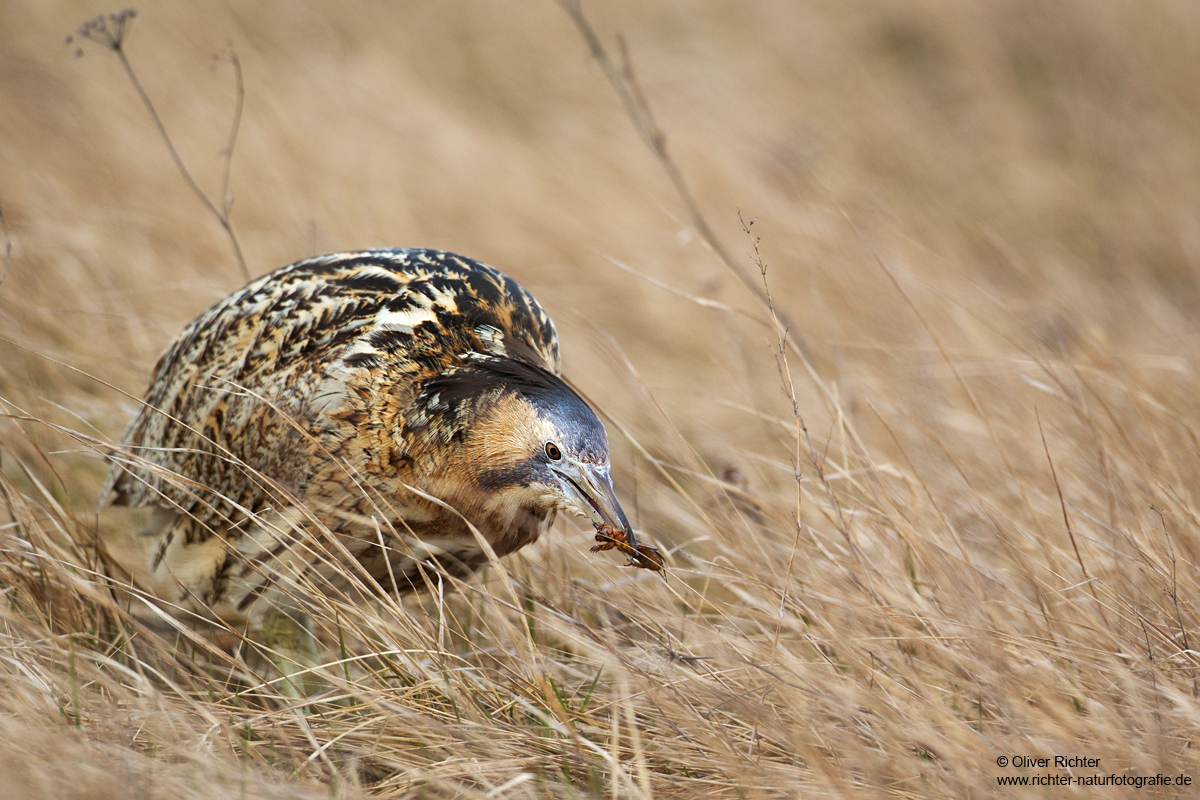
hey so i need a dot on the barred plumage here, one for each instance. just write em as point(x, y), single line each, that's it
point(319, 396)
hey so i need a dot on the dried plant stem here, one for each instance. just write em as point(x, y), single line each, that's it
point(111, 33)
point(625, 82)
point(222, 216)
point(789, 388)
point(227, 154)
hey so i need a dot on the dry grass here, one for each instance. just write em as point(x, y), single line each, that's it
point(997, 434)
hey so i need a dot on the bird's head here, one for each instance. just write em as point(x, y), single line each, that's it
point(534, 444)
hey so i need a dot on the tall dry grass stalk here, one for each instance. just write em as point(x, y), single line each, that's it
point(958, 522)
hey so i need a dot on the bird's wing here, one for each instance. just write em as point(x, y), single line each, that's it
point(279, 373)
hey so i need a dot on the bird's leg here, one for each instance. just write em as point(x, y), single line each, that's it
point(292, 649)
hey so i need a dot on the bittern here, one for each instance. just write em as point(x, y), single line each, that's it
point(391, 400)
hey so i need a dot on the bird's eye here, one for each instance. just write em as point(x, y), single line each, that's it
point(552, 451)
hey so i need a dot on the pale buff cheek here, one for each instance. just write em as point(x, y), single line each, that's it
point(511, 433)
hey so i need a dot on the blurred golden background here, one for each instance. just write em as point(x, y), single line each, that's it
point(1025, 177)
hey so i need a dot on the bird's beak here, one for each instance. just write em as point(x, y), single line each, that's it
point(591, 491)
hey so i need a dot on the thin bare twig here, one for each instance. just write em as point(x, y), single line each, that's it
point(110, 32)
point(227, 154)
point(625, 82)
point(785, 375)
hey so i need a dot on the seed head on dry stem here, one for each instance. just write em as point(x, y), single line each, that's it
point(110, 31)
point(107, 30)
